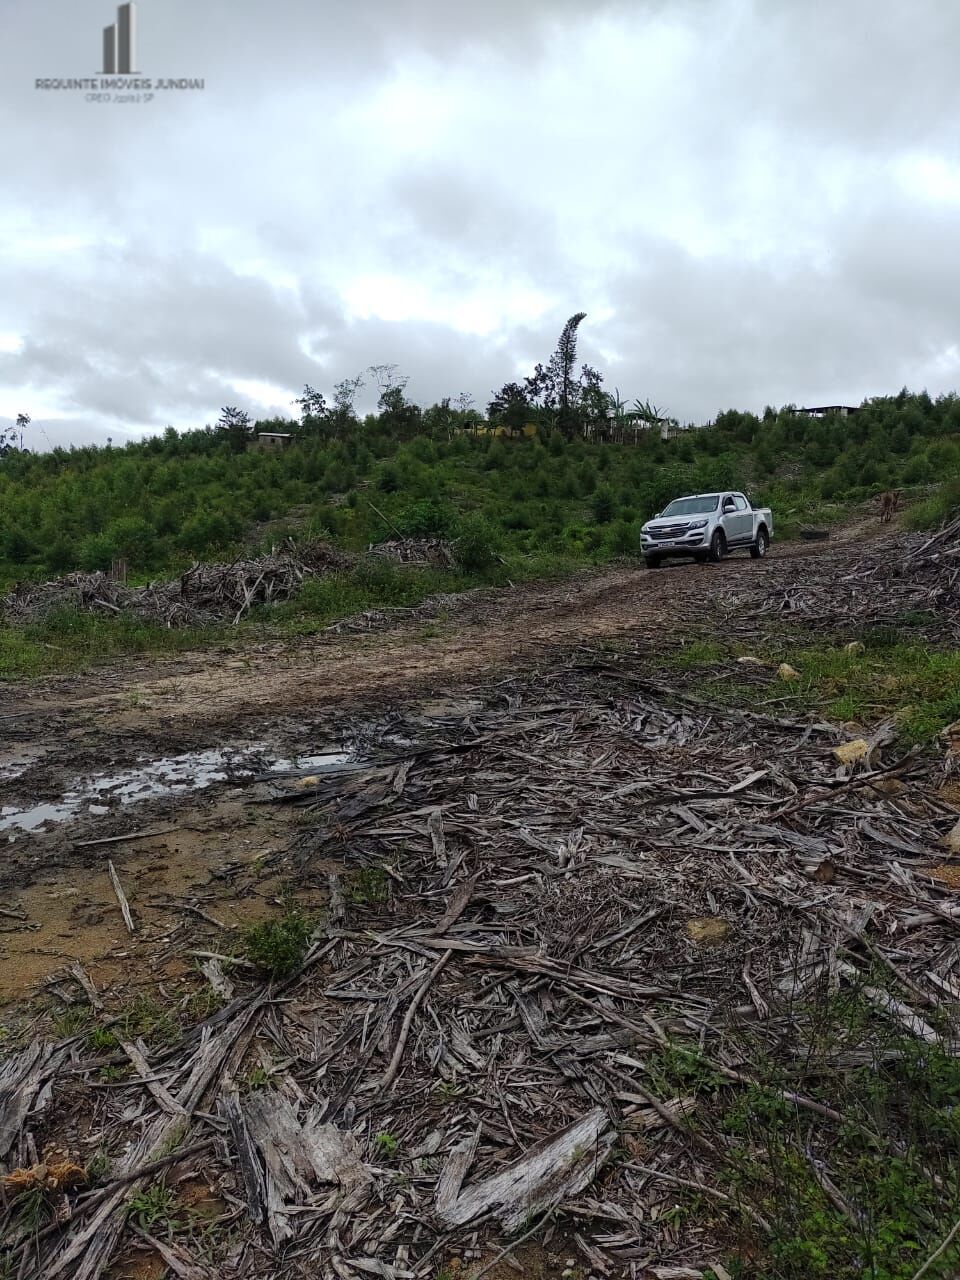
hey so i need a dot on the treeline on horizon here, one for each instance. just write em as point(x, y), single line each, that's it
point(164, 502)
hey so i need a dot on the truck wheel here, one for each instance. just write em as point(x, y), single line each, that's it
point(652, 562)
point(718, 546)
point(759, 548)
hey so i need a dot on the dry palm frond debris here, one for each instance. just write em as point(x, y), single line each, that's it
point(416, 551)
point(911, 574)
point(203, 594)
point(542, 902)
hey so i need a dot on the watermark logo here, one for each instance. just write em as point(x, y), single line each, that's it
point(120, 43)
point(120, 79)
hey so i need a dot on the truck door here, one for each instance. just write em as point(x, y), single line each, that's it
point(740, 524)
point(728, 518)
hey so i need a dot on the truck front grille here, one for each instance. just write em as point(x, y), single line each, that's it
point(673, 531)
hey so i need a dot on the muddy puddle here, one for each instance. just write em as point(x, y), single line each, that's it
point(223, 864)
point(154, 780)
point(149, 779)
point(17, 760)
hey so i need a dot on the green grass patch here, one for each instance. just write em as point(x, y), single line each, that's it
point(368, 886)
point(277, 946)
point(932, 511)
point(147, 1018)
point(871, 1193)
point(32, 1210)
point(373, 584)
point(204, 1003)
point(70, 641)
point(102, 1039)
point(144, 1016)
point(72, 1021)
point(892, 677)
point(386, 1145)
point(805, 511)
point(258, 1078)
point(919, 687)
point(376, 583)
point(696, 653)
point(154, 1208)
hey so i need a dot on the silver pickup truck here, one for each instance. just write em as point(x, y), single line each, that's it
point(706, 526)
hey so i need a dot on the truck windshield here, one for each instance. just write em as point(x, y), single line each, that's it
point(692, 506)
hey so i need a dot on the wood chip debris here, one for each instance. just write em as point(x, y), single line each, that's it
point(461, 1054)
point(204, 593)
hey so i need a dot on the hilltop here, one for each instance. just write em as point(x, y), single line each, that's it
point(208, 493)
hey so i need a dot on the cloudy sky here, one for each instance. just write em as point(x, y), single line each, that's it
point(755, 201)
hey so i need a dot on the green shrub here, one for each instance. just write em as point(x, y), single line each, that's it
point(277, 947)
point(388, 479)
point(206, 531)
point(382, 578)
point(934, 510)
point(426, 519)
point(96, 551)
point(623, 539)
point(18, 547)
point(386, 1145)
point(62, 555)
point(477, 546)
point(134, 539)
point(369, 885)
point(602, 506)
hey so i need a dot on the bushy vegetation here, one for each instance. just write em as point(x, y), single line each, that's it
point(935, 509)
point(442, 472)
point(68, 640)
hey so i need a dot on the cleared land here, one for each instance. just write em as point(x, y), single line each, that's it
point(591, 937)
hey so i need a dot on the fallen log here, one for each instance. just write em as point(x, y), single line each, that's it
point(552, 1170)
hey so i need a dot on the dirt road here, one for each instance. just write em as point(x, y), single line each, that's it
point(477, 633)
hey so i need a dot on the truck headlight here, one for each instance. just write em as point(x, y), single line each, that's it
point(697, 524)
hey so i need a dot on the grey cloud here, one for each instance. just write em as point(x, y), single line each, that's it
point(705, 336)
point(471, 219)
point(719, 185)
point(880, 75)
point(131, 330)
